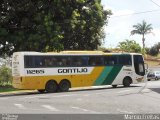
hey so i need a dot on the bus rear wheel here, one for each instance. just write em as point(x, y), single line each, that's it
point(51, 86)
point(64, 85)
point(127, 81)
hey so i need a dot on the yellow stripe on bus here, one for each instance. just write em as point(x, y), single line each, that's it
point(39, 82)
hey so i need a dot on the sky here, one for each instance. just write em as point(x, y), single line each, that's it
point(125, 16)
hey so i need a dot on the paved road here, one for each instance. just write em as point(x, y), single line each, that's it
point(96, 101)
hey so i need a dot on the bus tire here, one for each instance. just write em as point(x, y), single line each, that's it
point(127, 81)
point(51, 86)
point(114, 86)
point(41, 90)
point(64, 86)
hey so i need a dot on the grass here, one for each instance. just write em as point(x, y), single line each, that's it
point(7, 89)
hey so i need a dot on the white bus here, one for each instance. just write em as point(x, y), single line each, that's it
point(51, 72)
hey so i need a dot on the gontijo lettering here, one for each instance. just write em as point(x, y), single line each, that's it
point(73, 70)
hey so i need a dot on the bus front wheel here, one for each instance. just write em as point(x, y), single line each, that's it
point(127, 81)
point(51, 86)
point(64, 85)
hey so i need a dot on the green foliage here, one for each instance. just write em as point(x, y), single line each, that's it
point(147, 50)
point(51, 25)
point(104, 49)
point(129, 46)
point(5, 75)
point(7, 89)
point(142, 29)
point(155, 49)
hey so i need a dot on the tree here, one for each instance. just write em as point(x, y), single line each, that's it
point(51, 25)
point(142, 29)
point(129, 46)
point(155, 49)
point(5, 75)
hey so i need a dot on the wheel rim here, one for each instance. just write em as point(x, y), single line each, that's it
point(126, 82)
point(51, 86)
point(64, 86)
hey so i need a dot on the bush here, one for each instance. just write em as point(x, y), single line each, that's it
point(130, 46)
point(155, 49)
point(147, 50)
point(5, 76)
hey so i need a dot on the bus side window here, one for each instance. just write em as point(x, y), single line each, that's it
point(91, 61)
point(125, 60)
point(76, 61)
point(62, 61)
point(54, 61)
point(96, 60)
point(29, 61)
point(79, 61)
point(39, 61)
point(110, 60)
point(47, 62)
point(50, 61)
point(84, 61)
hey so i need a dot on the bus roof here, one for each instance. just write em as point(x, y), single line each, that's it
point(82, 52)
point(74, 53)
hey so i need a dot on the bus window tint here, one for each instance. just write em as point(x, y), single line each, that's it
point(110, 60)
point(28, 61)
point(95, 61)
point(79, 61)
point(50, 61)
point(125, 60)
point(33, 61)
point(39, 61)
point(47, 61)
point(138, 59)
point(60, 61)
point(54, 61)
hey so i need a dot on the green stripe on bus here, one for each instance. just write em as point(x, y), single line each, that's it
point(106, 71)
point(114, 72)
